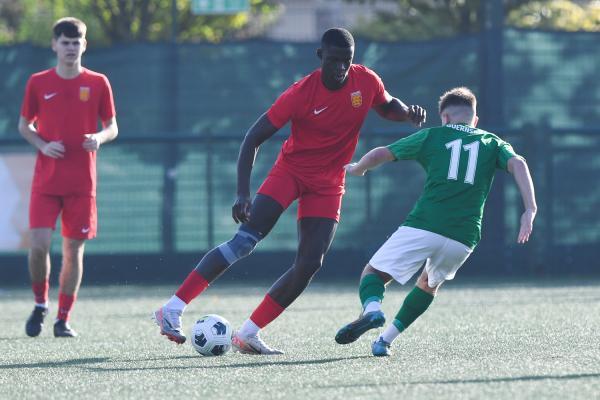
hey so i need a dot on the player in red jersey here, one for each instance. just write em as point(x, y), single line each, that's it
point(326, 110)
point(59, 117)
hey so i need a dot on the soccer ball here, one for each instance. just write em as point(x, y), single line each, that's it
point(211, 335)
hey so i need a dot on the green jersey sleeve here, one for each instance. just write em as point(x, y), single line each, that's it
point(408, 148)
point(505, 153)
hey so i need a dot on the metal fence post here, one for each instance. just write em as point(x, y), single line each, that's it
point(368, 190)
point(539, 152)
point(169, 189)
point(491, 110)
point(531, 152)
point(210, 217)
point(545, 137)
point(172, 125)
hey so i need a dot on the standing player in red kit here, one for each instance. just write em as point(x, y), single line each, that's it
point(59, 117)
point(326, 110)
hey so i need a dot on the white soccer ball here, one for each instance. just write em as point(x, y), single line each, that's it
point(211, 335)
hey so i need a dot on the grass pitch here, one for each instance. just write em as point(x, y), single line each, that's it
point(503, 341)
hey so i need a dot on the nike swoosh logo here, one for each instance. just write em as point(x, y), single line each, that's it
point(85, 230)
point(49, 96)
point(317, 112)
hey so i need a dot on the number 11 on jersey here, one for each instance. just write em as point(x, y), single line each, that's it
point(455, 148)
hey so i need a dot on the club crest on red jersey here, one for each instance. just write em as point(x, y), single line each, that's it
point(84, 93)
point(356, 99)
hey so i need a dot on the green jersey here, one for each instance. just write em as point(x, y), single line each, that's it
point(460, 162)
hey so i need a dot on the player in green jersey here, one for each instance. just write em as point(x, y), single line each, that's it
point(445, 224)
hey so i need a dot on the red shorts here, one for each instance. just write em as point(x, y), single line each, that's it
point(79, 216)
point(313, 200)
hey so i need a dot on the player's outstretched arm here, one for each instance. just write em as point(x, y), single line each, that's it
point(109, 133)
point(49, 149)
point(520, 171)
point(395, 110)
point(262, 130)
point(371, 160)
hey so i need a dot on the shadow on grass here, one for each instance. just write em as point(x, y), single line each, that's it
point(236, 365)
point(463, 381)
point(50, 364)
point(515, 379)
point(84, 361)
point(165, 358)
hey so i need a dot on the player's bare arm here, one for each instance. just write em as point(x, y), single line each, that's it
point(520, 171)
point(262, 130)
point(93, 141)
point(51, 149)
point(371, 160)
point(395, 110)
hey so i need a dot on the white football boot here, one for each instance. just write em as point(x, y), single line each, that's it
point(169, 321)
point(252, 345)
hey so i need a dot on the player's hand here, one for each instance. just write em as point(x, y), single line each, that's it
point(354, 169)
point(526, 226)
point(53, 149)
point(417, 115)
point(91, 142)
point(240, 211)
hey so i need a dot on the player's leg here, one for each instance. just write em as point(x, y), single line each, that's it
point(70, 280)
point(79, 223)
point(43, 211)
point(72, 269)
point(39, 271)
point(416, 303)
point(316, 235)
point(371, 288)
point(264, 213)
point(446, 258)
point(275, 194)
point(315, 238)
point(371, 291)
point(400, 257)
point(39, 263)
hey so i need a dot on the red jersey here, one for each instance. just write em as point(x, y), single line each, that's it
point(325, 123)
point(65, 110)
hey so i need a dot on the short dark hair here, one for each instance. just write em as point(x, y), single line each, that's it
point(460, 96)
point(338, 37)
point(70, 27)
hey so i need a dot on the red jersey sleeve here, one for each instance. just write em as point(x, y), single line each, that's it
point(107, 104)
point(284, 107)
point(29, 108)
point(379, 97)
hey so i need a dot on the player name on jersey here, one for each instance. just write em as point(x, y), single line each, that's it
point(462, 128)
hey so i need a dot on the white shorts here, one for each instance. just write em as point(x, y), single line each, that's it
point(408, 248)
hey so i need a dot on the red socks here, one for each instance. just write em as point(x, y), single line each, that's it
point(40, 291)
point(65, 303)
point(193, 285)
point(266, 312)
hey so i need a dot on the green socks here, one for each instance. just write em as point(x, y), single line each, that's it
point(415, 304)
point(371, 288)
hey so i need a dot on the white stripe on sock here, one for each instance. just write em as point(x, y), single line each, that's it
point(372, 306)
point(390, 333)
point(249, 328)
point(175, 303)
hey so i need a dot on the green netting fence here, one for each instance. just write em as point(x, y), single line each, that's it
point(167, 184)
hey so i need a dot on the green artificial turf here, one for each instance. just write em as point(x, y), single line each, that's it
point(476, 341)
